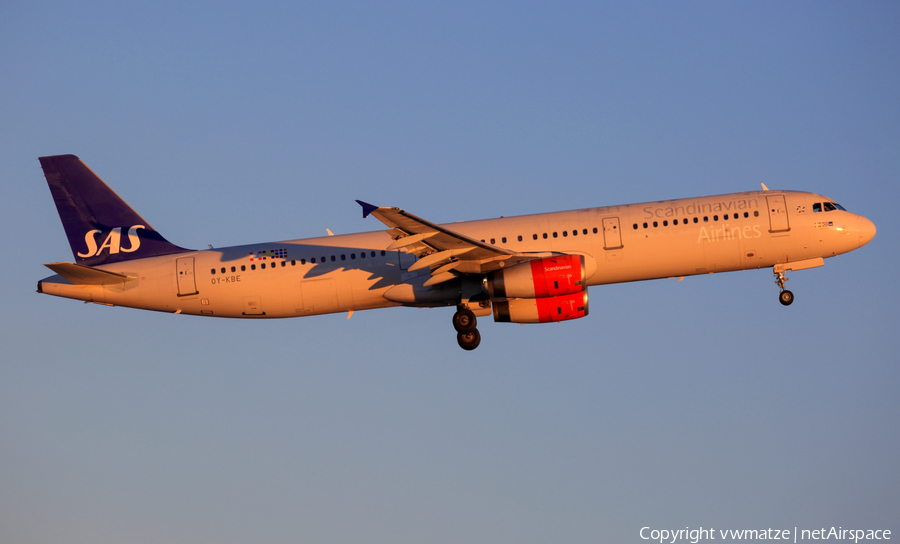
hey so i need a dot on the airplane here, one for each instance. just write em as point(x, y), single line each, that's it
point(525, 269)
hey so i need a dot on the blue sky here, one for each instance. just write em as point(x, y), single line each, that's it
point(674, 404)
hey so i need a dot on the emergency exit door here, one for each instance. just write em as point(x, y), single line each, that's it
point(612, 234)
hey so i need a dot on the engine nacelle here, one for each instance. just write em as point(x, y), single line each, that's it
point(542, 310)
point(547, 277)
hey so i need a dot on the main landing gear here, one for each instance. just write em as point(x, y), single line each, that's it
point(467, 336)
point(785, 297)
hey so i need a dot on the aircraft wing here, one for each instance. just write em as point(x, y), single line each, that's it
point(448, 254)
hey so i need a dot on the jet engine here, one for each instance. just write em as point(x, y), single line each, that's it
point(542, 310)
point(540, 278)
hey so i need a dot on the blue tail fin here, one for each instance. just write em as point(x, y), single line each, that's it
point(100, 226)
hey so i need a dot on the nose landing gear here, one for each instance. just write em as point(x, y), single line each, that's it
point(785, 297)
point(467, 336)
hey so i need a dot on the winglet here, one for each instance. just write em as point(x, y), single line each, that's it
point(764, 187)
point(367, 208)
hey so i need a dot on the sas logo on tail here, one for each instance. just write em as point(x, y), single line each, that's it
point(112, 242)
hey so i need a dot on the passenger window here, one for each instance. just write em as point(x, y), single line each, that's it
point(252, 267)
point(362, 255)
point(233, 269)
point(645, 225)
point(382, 253)
point(746, 215)
point(674, 221)
point(313, 260)
point(263, 266)
point(584, 232)
point(696, 220)
point(715, 218)
point(595, 230)
point(243, 268)
point(756, 214)
point(323, 259)
point(706, 219)
point(545, 236)
point(503, 240)
point(575, 232)
point(343, 257)
point(212, 271)
point(666, 223)
point(817, 207)
point(283, 264)
point(520, 237)
point(565, 234)
point(333, 258)
point(554, 235)
point(302, 261)
point(293, 263)
point(534, 236)
point(655, 224)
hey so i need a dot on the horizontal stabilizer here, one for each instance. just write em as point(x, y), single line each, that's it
point(85, 275)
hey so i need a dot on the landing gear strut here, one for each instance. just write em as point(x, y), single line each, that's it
point(467, 336)
point(785, 297)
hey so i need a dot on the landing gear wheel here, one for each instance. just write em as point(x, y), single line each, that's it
point(464, 321)
point(468, 340)
point(786, 297)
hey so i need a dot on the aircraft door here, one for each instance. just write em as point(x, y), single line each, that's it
point(184, 271)
point(612, 234)
point(778, 219)
point(406, 259)
point(319, 296)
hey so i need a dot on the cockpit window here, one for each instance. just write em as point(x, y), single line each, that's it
point(817, 207)
point(829, 207)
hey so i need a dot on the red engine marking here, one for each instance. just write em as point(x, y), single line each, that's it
point(555, 276)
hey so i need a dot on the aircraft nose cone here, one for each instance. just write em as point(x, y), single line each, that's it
point(866, 230)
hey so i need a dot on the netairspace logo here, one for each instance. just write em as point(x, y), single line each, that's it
point(694, 536)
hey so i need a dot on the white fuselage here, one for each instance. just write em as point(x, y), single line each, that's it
point(356, 271)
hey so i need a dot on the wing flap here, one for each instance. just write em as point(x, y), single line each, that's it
point(440, 278)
